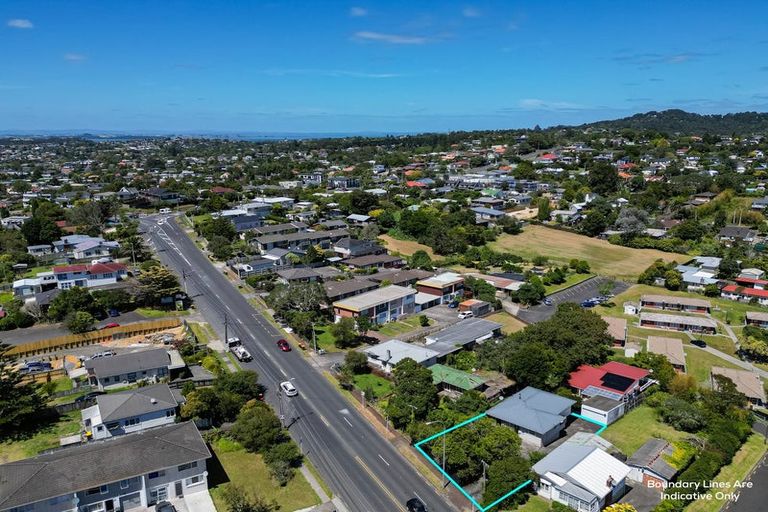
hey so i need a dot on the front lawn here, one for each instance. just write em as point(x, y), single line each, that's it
point(160, 313)
point(381, 386)
point(534, 504)
point(6, 297)
point(325, 340)
point(745, 459)
point(231, 463)
point(637, 426)
point(408, 324)
point(45, 438)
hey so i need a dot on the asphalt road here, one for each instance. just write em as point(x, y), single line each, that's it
point(581, 292)
point(359, 465)
point(754, 498)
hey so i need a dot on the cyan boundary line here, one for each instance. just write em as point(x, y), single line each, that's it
point(450, 478)
point(472, 500)
point(467, 422)
point(602, 425)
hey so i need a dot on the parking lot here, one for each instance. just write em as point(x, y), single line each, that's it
point(581, 292)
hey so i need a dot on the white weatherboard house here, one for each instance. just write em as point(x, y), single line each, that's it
point(386, 355)
point(583, 477)
point(130, 411)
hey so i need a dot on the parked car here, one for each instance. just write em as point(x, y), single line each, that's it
point(88, 397)
point(453, 305)
point(114, 312)
point(547, 302)
point(466, 314)
point(699, 343)
point(111, 325)
point(241, 354)
point(288, 388)
point(164, 506)
point(588, 304)
point(283, 345)
point(415, 505)
point(233, 341)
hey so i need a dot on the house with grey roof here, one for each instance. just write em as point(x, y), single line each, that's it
point(538, 416)
point(463, 335)
point(581, 476)
point(385, 356)
point(133, 471)
point(130, 411)
point(145, 365)
point(649, 466)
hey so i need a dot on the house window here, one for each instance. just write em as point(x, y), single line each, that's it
point(156, 474)
point(113, 426)
point(60, 499)
point(132, 421)
point(197, 479)
point(104, 489)
point(169, 413)
point(131, 377)
point(24, 508)
point(158, 494)
point(124, 484)
point(185, 467)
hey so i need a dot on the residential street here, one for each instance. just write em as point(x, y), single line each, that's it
point(364, 469)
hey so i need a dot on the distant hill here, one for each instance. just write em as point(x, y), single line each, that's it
point(680, 121)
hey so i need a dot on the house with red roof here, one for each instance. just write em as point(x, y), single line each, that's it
point(609, 390)
point(89, 276)
point(744, 294)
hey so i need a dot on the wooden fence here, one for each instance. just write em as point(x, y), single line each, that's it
point(93, 337)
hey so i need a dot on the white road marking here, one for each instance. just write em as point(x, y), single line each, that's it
point(382, 458)
point(414, 493)
point(348, 422)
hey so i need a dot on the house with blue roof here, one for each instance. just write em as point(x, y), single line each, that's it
point(538, 416)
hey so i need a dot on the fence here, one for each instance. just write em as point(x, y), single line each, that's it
point(43, 376)
point(93, 337)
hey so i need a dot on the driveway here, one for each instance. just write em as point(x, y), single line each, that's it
point(581, 292)
point(754, 498)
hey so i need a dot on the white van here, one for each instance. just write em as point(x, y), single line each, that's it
point(165, 210)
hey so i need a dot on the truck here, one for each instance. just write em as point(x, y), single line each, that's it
point(240, 353)
point(233, 341)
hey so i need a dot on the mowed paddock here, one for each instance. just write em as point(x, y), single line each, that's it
point(562, 246)
point(405, 247)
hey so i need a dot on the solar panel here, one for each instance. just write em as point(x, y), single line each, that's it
point(617, 382)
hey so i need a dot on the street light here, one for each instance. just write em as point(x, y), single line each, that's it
point(445, 479)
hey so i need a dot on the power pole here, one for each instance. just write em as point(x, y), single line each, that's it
point(184, 275)
point(226, 329)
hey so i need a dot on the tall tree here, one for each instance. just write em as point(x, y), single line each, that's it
point(19, 402)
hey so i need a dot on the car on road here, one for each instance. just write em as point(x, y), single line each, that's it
point(466, 314)
point(547, 302)
point(111, 325)
point(241, 354)
point(699, 343)
point(453, 305)
point(415, 505)
point(288, 388)
point(283, 345)
point(164, 506)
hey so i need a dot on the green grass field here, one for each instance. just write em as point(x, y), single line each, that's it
point(637, 426)
point(160, 313)
point(325, 339)
point(745, 459)
point(392, 329)
point(405, 247)
point(534, 504)
point(381, 386)
point(509, 324)
point(561, 246)
point(570, 280)
point(6, 297)
point(231, 463)
point(698, 363)
point(44, 439)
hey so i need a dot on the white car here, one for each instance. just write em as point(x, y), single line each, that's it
point(289, 389)
point(466, 314)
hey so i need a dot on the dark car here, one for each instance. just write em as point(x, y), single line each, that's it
point(164, 506)
point(114, 312)
point(415, 505)
point(588, 304)
point(699, 343)
point(88, 397)
point(283, 345)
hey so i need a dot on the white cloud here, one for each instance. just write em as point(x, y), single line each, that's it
point(74, 57)
point(20, 23)
point(470, 12)
point(358, 12)
point(390, 38)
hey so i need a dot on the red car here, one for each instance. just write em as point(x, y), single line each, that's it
point(109, 326)
point(283, 345)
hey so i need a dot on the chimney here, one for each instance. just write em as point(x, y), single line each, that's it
point(389, 354)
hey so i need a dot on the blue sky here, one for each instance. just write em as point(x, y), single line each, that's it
point(394, 66)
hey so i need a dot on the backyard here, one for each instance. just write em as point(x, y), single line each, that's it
point(45, 438)
point(509, 323)
point(231, 463)
point(561, 246)
point(406, 325)
point(405, 247)
point(637, 426)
